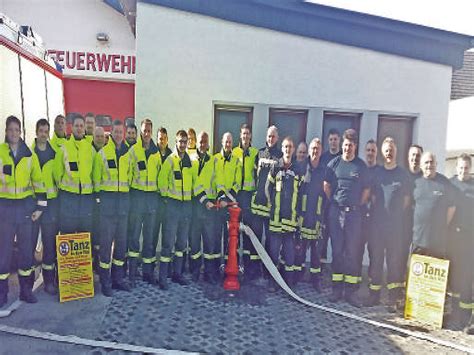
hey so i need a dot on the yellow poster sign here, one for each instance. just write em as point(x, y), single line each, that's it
point(426, 289)
point(74, 253)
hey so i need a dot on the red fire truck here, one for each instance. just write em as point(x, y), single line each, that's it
point(31, 85)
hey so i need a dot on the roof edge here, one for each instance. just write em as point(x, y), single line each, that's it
point(336, 25)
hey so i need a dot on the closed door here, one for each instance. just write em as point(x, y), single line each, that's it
point(290, 123)
point(400, 128)
point(339, 121)
point(229, 119)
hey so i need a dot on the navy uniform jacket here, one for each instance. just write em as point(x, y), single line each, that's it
point(432, 199)
point(348, 180)
point(463, 221)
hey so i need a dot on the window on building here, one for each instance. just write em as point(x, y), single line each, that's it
point(290, 123)
point(340, 121)
point(229, 119)
point(401, 129)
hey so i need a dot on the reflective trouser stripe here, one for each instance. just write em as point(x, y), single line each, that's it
point(289, 268)
point(196, 256)
point(4, 276)
point(393, 285)
point(315, 270)
point(211, 256)
point(179, 254)
point(118, 262)
point(105, 265)
point(465, 305)
point(149, 260)
point(338, 277)
point(47, 267)
point(375, 287)
point(254, 257)
point(297, 268)
point(165, 259)
point(23, 272)
point(133, 254)
point(351, 279)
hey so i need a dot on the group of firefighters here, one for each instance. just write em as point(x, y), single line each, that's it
point(127, 191)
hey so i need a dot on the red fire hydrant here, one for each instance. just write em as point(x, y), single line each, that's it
point(231, 282)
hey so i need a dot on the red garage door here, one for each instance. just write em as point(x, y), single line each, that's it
point(106, 98)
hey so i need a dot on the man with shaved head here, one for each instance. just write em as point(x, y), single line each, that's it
point(99, 138)
point(434, 209)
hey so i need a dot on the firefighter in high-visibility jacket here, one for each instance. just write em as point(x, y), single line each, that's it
point(311, 207)
point(165, 151)
point(111, 183)
point(48, 222)
point(98, 143)
point(145, 165)
point(228, 185)
point(73, 173)
point(20, 176)
point(267, 157)
point(283, 191)
point(204, 215)
point(59, 134)
point(176, 181)
point(247, 155)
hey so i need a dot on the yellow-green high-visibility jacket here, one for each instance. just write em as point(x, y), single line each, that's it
point(111, 168)
point(89, 138)
point(46, 163)
point(57, 142)
point(228, 175)
point(205, 189)
point(145, 166)
point(177, 177)
point(73, 166)
point(20, 176)
point(247, 158)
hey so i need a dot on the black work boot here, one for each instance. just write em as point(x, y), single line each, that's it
point(118, 279)
point(289, 278)
point(50, 282)
point(336, 294)
point(470, 327)
point(163, 276)
point(105, 282)
point(460, 316)
point(394, 297)
point(26, 290)
point(373, 299)
point(132, 271)
point(195, 269)
point(272, 286)
point(3, 292)
point(316, 283)
point(177, 275)
point(352, 298)
point(209, 276)
point(150, 278)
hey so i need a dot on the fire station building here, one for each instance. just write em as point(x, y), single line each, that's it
point(94, 47)
point(213, 65)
